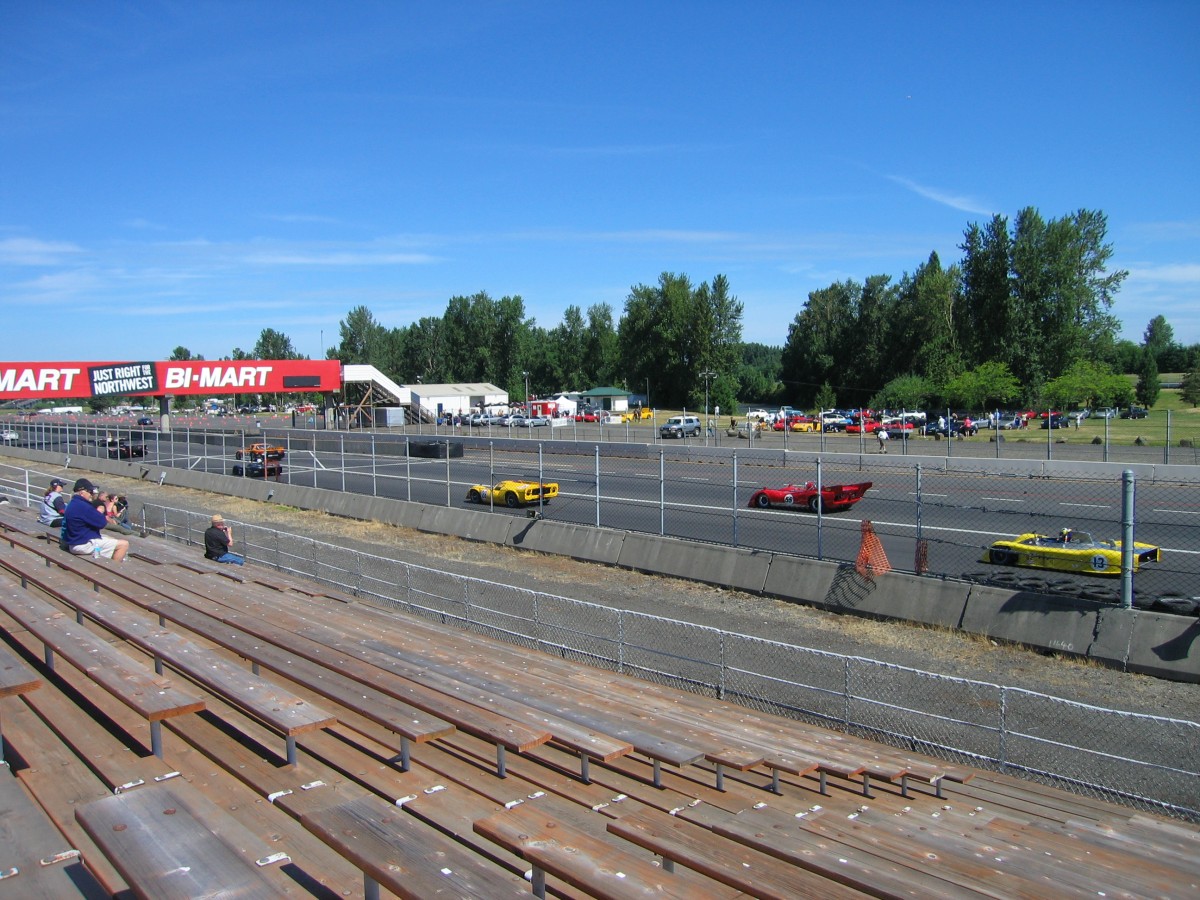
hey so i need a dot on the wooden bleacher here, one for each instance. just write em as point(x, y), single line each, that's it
point(422, 760)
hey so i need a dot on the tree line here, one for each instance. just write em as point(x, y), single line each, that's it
point(1024, 317)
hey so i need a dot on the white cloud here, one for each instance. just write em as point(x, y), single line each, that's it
point(340, 259)
point(954, 201)
point(1171, 273)
point(32, 252)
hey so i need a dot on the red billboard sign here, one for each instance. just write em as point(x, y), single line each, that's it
point(58, 380)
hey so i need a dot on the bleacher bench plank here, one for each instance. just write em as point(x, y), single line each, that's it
point(286, 713)
point(28, 836)
point(15, 676)
point(594, 866)
point(161, 847)
point(152, 697)
point(411, 860)
point(723, 860)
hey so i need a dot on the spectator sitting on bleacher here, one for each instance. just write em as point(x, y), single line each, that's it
point(218, 538)
point(114, 508)
point(53, 505)
point(83, 522)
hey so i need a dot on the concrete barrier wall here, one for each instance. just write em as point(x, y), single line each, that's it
point(1152, 643)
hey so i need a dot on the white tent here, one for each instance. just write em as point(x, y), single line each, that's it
point(566, 405)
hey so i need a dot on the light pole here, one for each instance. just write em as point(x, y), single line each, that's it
point(526, 404)
point(706, 375)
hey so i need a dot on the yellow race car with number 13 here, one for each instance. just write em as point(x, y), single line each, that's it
point(1068, 551)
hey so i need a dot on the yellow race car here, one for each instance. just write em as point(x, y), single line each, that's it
point(1068, 551)
point(513, 493)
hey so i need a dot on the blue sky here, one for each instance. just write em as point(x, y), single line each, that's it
point(189, 173)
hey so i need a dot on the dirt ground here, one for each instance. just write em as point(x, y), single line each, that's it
point(929, 649)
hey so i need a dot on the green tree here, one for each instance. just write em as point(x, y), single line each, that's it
point(361, 339)
point(182, 354)
point(987, 385)
point(1189, 388)
point(423, 355)
point(905, 392)
point(671, 332)
point(826, 397)
point(567, 351)
point(925, 339)
point(819, 339)
point(601, 348)
point(1147, 387)
point(1085, 384)
point(274, 344)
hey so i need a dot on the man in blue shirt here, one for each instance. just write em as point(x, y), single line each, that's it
point(83, 522)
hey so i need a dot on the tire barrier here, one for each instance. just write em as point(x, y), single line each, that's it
point(1064, 587)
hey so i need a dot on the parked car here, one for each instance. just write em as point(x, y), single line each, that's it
point(1058, 420)
point(587, 415)
point(259, 450)
point(9, 436)
point(1134, 412)
point(834, 420)
point(146, 421)
point(513, 493)
point(831, 497)
point(520, 421)
point(680, 427)
point(1067, 551)
point(1107, 413)
point(797, 423)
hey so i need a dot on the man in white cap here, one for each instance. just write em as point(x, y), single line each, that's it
point(83, 522)
point(218, 539)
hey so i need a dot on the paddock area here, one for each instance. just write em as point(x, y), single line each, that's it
point(172, 728)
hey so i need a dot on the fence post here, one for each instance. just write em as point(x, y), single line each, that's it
point(620, 642)
point(408, 467)
point(722, 668)
point(820, 513)
point(846, 692)
point(1002, 750)
point(1167, 442)
point(735, 497)
point(374, 485)
point(597, 485)
point(448, 474)
point(918, 503)
point(662, 493)
point(342, 452)
point(1127, 548)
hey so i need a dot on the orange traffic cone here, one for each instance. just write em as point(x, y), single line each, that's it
point(871, 560)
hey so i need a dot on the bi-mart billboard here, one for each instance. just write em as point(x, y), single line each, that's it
point(57, 380)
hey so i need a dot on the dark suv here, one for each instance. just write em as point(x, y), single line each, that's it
point(1134, 412)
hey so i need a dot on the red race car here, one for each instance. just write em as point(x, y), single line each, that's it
point(831, 497)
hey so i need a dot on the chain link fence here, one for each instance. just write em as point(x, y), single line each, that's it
point(1148, 762)
point(932, 518)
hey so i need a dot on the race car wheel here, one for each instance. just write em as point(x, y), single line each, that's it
point(764, 501)
point(474, 497)
point(238, 455)
point(814, 503)
point(1003, 557)
point(510, 500)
